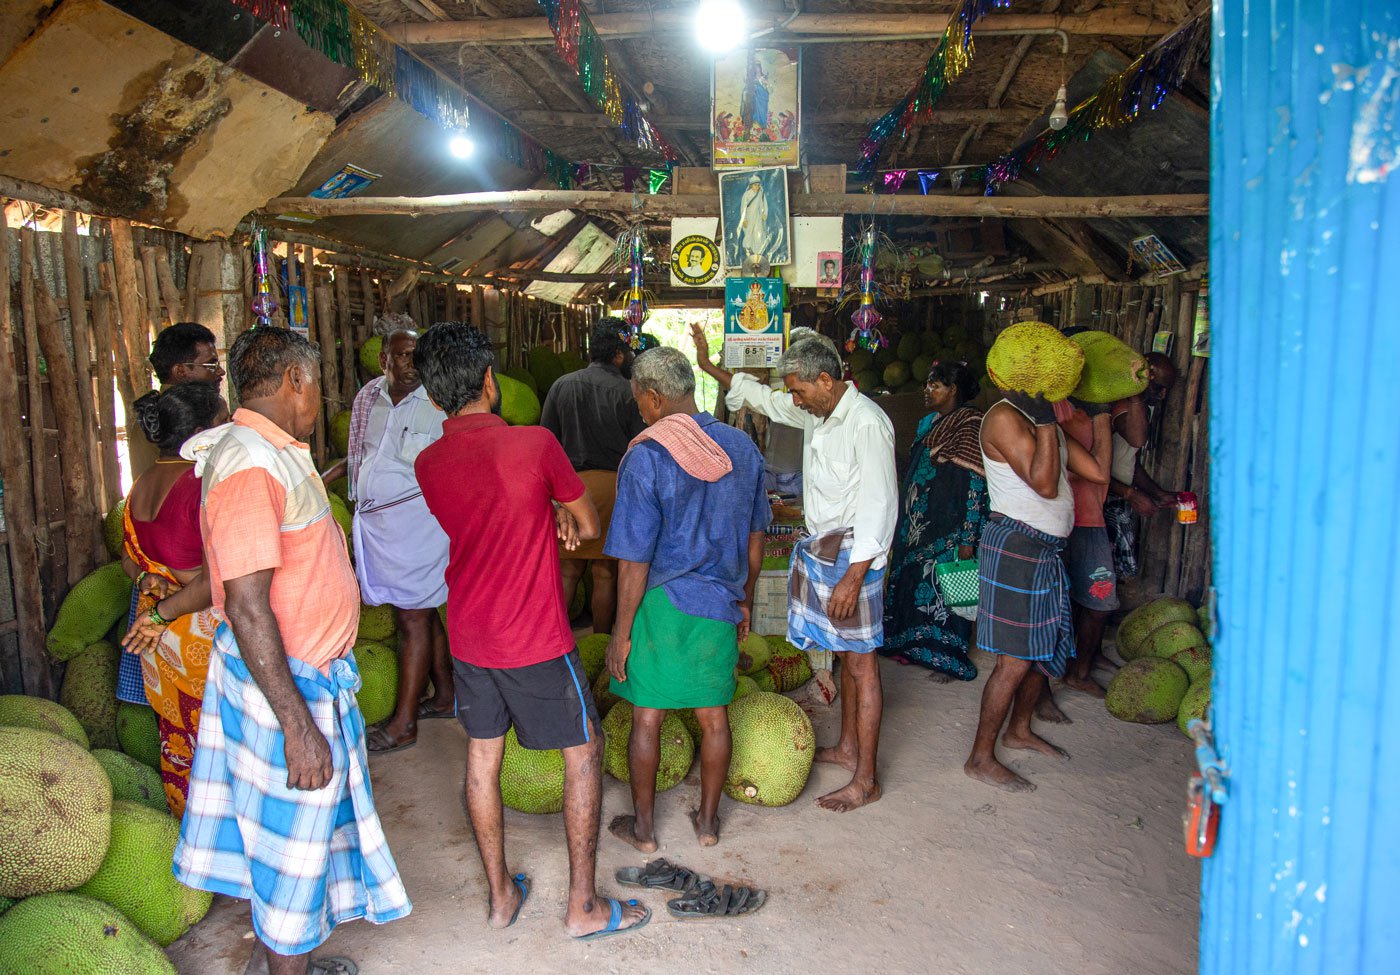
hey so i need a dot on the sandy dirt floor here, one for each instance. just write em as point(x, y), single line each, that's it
point(1086, 875)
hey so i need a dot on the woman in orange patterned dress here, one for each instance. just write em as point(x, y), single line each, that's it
point(172, 627)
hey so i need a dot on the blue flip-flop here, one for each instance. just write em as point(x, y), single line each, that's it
point(614, 919)
point(523, 882)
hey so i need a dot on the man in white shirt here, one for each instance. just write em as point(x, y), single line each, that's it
point(400, 549)
point(850, 501)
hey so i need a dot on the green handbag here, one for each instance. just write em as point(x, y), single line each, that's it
point(958, 582)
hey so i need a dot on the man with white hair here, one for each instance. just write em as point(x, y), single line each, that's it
point(835, 594)
point(687, 531)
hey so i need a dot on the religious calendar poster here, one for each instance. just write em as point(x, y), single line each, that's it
point(754, 330)
point(754, 114)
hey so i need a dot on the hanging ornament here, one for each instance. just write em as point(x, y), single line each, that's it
point(927, 177)
point(866, 318)
point(635, 308)
point(264, 304)
point(894, 180)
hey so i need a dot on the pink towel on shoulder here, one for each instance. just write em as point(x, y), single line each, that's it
point(689, 446)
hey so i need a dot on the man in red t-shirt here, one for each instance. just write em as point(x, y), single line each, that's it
point(497, 491)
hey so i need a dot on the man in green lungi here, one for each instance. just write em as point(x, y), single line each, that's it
point(687, 531)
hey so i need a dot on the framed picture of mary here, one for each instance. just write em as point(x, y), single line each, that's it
point(755, 111)
point(754, 222)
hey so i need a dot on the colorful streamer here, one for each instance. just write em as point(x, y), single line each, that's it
point(578, 44)
point(949, 59)
point(346, 36)
point(636, 307)
point(264, 304)
point(866, 318)
point(1120, 101)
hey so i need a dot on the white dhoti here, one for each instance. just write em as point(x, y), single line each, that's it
point(401, 555)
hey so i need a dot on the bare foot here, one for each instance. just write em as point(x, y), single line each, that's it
point(625, 829)
point(837, 756)
point(1047, 710)
point(1085, 686)
point(997, 774)
point(1035, 743)
point(707, 833)
point(852, 796)
point(503, 914)
point(938, 677)
point(594, 917)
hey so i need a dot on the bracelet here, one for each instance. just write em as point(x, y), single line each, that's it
point(155, 617)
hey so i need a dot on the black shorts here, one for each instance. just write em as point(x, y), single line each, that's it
point(549, 704)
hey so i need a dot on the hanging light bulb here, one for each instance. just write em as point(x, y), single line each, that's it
point(461, 146)
point(720, 25)
point(1059, 115)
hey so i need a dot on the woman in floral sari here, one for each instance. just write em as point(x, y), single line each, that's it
point(172, 625)
point(943, 505)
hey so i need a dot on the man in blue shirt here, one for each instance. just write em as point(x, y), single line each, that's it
point(687, 531)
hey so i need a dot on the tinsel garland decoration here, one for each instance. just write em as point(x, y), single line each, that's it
point(636, 301)
point(346, 36)
point(949, 59)
point(1120, 101)
point(578, 44)
point(866, 318)
point(264, 304)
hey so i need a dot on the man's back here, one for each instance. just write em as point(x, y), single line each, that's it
point(593, 415)
point(490, 486)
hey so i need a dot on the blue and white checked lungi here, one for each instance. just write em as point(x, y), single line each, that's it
point(1023, 607)
point(818, 563)
point(307, 860)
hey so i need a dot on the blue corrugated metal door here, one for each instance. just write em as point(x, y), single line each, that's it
point(1305, 404)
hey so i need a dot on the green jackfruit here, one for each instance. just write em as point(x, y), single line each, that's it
point(522, 376)
point(1034, 358)
point(896, 374)
point(531, 781)
point(603, 697)
point(131, 780)
point(340, 511)
point(1147, 691)
point(55, 813)
point(90, 692)
point(860, 360)
point(1112, 370)
point(138, 733)
point(376, 623)
point(1136, 626)
point(379, 680)
point(68, 934)
point(571, 361)
point(883, 357)
point(1169, 639)
point(677, 747)
point(340, 433)
point(89, 610)
point(543, 363)
point(520, 407)
point(593, 651)
point(136, 879)
point(340, 487)
point(369, 355)
point(1196, 703)
point(773, 750)
point(41, 714)
point(754, 653)
point(743, 687)
point(867, 381)
point(908, 348)
point(918, 372)
point(1196, 661)
point(112, 529)
point(930, 343)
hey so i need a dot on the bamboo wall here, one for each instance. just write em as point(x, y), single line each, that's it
point(80, 302)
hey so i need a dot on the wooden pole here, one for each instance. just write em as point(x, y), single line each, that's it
point(325, 329)
point(549, 118)
point(79, 516)
point(151, 291)
point(849, 27)
point(104, 335)
point(38, 448)
point(345, 336)
point(174, 302)
point(133, 318)
point(396, 297)
point(21, 516)
point(82, 354)
point(802, 204)
point(368, 299)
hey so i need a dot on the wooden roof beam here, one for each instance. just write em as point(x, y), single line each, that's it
point(838, 116)
point(804, 27)
point(802, 204)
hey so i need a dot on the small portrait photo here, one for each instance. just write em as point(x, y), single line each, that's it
point(828, 269)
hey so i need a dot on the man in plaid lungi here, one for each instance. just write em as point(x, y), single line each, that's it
point(850, 501)
point(1023, 611)
point(280, 810)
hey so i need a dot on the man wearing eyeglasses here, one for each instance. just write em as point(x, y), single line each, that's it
point(400, 549)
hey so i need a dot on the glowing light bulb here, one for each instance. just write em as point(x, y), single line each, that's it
point(720, 25)
point(461, 146)
point(1059, 115)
